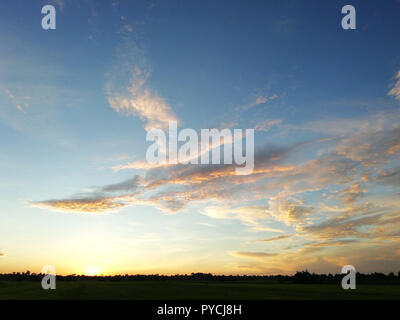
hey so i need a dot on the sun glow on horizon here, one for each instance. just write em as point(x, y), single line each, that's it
point(92, 271)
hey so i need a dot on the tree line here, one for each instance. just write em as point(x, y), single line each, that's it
point(302, 277)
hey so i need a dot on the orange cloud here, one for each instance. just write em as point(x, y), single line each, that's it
point(80, 205)
point(395, 91)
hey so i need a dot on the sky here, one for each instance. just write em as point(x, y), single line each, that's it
point(77, 102)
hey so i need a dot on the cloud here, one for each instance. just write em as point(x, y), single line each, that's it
point(253, 255)
point(351, 224)
point(2, 254)
point(260, 100)
point(265, 162)
point(389, 176)
point(267, 124)
point(372, 145)
point(136, 97)
point(249, 215)
point(80, 205)
point(290, 211)
point(352, 193)
point(336, 195)
point(171, 188)
point(191, 183)
point(14, 100)
point(127, 185)
point(139, 164)
point(313, 188)
point(200, 182)
point(96, 201)
point(275, 238)
point(395, 91)
point(261, 228)
point(332, 243)
point(140, 101)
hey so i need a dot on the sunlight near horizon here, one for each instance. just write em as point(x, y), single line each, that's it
point(92, 271)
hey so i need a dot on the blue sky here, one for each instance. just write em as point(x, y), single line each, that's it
point(324, 103)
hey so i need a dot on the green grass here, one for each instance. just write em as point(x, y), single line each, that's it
point(187, 290)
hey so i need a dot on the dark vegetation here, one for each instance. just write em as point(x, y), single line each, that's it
point(302, 277)
point(200, 286)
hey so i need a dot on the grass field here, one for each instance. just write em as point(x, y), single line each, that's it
point(188, 290)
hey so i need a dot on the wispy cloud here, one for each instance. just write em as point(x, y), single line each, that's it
point(107, 198)
point(275, 238)
point(261, 99)
point(128, 91)
point(249, 215)
point(80, 205)
point(253, 255)
point(139, 164)
point(389, 176)
point(352, 193)
point(13, 99)
point(266, 125)
point(395, 91)
point(127, 185)
point(139, 100)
